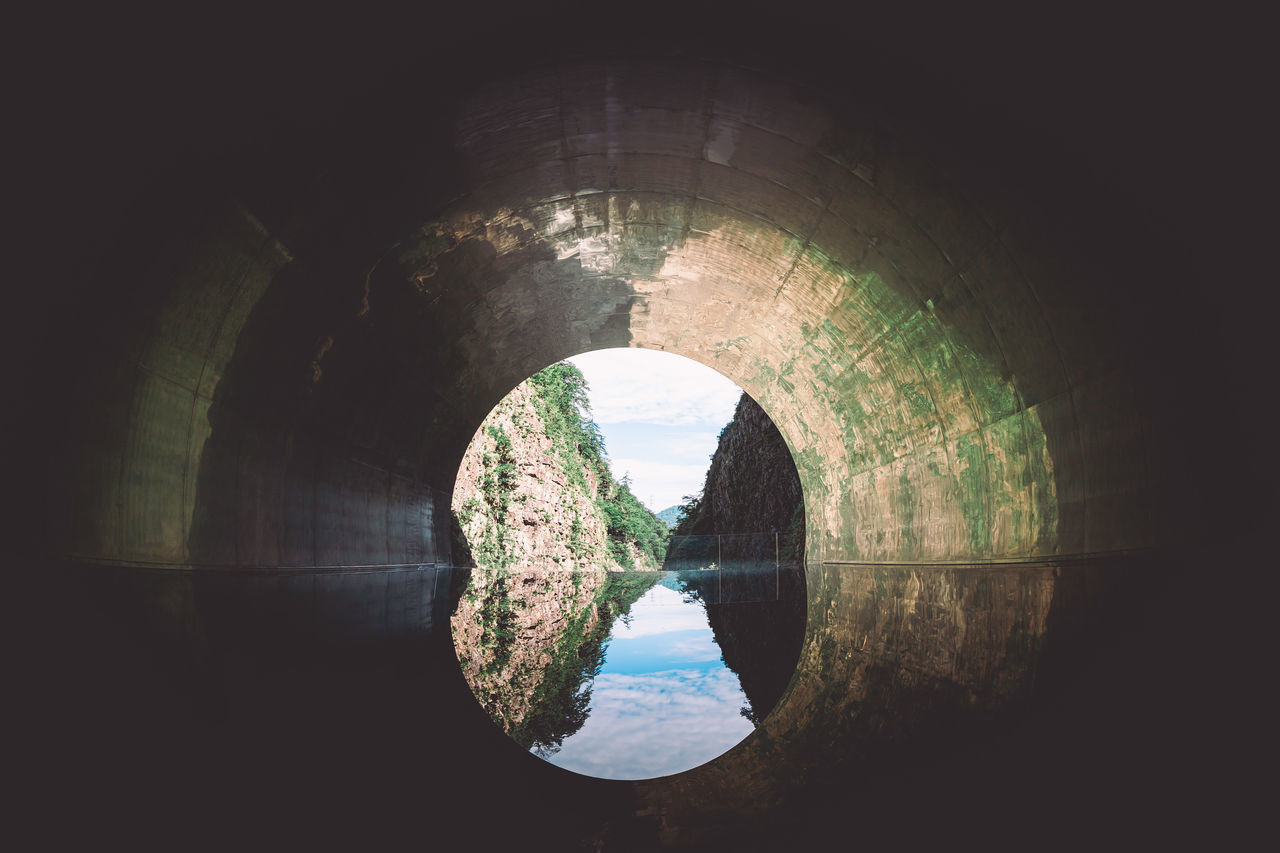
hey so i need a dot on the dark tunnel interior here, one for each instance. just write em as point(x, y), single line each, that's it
point(988, 271)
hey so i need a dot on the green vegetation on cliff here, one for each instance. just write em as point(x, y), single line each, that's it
point(497, 487)
point(561, 400)
point(536, 486)
point(548, 528)
point(629, 521)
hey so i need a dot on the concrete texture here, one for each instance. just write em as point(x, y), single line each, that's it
point(295, 399)
point(985, 275)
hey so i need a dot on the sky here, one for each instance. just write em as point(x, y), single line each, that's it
point(660, 415)
point(664, 701)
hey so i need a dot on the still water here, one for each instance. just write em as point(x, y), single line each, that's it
point(663, 701)
point(628, 675)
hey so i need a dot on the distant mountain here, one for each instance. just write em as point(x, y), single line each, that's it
point(670, 515)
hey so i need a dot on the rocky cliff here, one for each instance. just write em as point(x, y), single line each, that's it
point(757, 612)
point(530, 640)
point(554, 541)
point(751, 487)
point(516, 502)
point(535, 489)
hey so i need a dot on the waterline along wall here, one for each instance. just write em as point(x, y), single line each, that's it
point(268, 368)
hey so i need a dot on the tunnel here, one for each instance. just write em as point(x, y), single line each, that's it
point(968, 278)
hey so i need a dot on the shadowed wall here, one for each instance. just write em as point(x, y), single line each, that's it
point(274, 355)
point(953, 384)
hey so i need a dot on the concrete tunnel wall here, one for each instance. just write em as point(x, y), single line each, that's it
point(309, 361)
point(305, 361)
point(273, 354)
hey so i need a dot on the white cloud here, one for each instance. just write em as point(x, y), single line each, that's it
point(662, 611)
point(656, 724)
point(699, 648)
point(660, 484)
point(648, 386)
point(670, 444)
point(691, 446)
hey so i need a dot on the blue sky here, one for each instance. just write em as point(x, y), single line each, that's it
point(661, 415)
point(664, 702)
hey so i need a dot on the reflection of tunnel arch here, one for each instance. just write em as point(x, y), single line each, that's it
point(309, 360)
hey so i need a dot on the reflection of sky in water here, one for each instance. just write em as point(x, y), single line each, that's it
point(663, 702)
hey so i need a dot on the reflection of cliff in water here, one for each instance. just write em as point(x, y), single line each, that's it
point(530, 640)
point(911, 663)
point(757, 616)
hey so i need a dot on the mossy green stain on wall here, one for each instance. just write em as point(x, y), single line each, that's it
point(919, 403)
point(906, 506)
point(859, 370)
point(971, 472)
point(993, 395)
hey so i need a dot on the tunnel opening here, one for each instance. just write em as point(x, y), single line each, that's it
point(266, 402)
point(600, 637)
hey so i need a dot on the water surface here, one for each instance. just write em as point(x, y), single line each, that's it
point(663, 701)
point(628, 675)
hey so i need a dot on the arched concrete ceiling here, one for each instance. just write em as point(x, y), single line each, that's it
point(945, 383)
point(273, 355)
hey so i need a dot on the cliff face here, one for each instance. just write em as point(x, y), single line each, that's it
point(529, 641)
point(551, 535)
point(752, 485)
point(518, 502)
point(756, 612)
point(535, 488)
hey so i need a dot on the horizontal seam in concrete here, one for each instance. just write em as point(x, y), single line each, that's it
point(152, 371)
point(221, 568)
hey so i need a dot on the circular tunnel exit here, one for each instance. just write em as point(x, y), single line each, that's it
point(608, 637)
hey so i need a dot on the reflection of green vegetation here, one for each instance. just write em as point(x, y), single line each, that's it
point(499, 623)
point(559, 705)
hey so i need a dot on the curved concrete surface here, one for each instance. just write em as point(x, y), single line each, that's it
point(974, 343)
point(953, 385)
